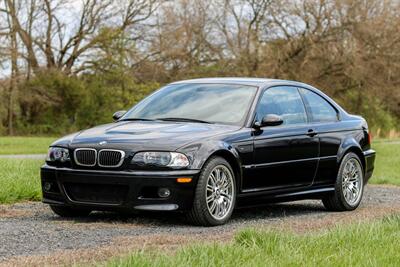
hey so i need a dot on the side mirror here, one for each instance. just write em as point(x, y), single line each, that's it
point(118, 115)
point(269, 120)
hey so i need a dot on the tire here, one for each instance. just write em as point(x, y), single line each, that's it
point(218, 209)
point(344, 198)
point(69, 212)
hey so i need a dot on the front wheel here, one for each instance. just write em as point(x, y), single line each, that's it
point(349, 185)
point(215, 194)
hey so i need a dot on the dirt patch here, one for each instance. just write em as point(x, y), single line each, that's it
point(7, 212)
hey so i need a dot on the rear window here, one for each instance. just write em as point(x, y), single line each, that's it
point(321, 110)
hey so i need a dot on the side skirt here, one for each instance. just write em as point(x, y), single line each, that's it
point(259, 198)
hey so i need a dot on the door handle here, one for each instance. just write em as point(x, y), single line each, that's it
point(311, 133)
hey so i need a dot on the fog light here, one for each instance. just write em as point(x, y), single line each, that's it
point(47, 186)
point(164, 192)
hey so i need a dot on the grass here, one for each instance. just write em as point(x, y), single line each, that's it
point(364, 244)
point(24, 145)
point(19, 180)
point(387, 163)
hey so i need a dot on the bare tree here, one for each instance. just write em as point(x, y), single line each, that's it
point(62, 46)
point(13, 54)
point(242, 22)
point(183, 40)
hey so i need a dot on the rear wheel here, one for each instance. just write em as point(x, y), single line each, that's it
point(215, 194)
point(349, 185)
point(69, 212)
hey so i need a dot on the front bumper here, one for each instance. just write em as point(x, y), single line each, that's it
point(111, 190)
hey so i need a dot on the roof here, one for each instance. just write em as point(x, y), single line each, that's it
point(259, 82)
point(234, 80)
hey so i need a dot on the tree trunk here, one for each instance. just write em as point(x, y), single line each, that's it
point(14, 77)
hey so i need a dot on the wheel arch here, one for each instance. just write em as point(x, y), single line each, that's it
point(351, 146)
point(233, 161)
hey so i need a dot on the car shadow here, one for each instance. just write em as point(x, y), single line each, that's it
point(168, 219)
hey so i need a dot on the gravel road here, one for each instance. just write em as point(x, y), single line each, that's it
point(31, 234)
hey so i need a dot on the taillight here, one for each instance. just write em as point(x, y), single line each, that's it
point(369, 138)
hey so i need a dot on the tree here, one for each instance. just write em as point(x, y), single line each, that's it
point(64, 45)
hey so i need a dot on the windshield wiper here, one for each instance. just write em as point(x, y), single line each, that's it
point(183, 120)
point(136, 119)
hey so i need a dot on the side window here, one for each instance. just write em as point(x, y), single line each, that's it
point(321, 110)
point(283, 101)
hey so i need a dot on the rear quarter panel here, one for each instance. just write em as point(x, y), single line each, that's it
point(336, 140)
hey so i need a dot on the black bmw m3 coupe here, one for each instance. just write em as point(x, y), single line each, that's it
point(206, 146)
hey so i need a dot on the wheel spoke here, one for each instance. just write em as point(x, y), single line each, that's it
point(224, 207)
point(226, 203)
point(354, 195)
point(355, 190)
point(347, 168)
point(225, 186)
point(218, 176)
point(345, 192)
point(212, 179)
point(210, 188)
point(353, 179)
point(218, 209)
point(226, 196)
point(353, 170)
point(223, 178)
point(213, 207)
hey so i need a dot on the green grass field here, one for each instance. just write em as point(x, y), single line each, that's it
point(19, 180)
point(24, 145)
point(364, 244)
point(387, 163)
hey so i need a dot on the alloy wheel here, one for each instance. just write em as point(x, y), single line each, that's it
point(220, 191)
point(352, 181)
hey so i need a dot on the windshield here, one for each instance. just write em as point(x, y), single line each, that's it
point(209, 103)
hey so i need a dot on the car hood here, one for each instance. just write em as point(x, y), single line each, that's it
point(144, 135)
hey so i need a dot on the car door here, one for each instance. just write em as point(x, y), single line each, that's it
point(324, 119)
point(285, 156)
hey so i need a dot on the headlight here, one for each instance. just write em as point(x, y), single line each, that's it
point(58, 154)
point(163, 159)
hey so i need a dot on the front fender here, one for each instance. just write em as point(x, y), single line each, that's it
point(199, 153)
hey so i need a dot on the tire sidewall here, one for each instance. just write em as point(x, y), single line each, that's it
point(339, 181)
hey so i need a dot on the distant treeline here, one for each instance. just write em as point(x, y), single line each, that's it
point(68, 65)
